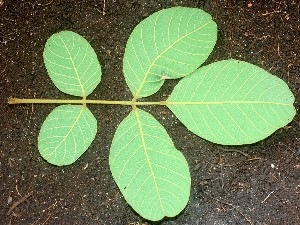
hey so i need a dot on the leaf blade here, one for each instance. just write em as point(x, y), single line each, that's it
point(169, 44)
point(232, 102)
point(142, 158)
point(72, 63)
point(66, 134)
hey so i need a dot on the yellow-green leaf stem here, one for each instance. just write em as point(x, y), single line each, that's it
point(79, 101)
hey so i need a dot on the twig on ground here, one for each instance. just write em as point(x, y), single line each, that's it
point(18, 190)
point(267, 197)
point(48, 215)
point(278, 51)
point(268, 13)
point(23, 199)
point(246, 160)
point(288, 73)
point(103, 9)
point(49, 3)
point(104, 6)
point(256, 37)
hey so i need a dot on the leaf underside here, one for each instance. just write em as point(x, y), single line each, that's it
point(151, 173)
point(169, 44)
point(72, 63)
point(232, 102)
point(66, 134)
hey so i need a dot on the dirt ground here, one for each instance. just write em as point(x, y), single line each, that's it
point(254, 184)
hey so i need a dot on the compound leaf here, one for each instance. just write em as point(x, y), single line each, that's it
point(150, 172)
point(232, 103)
point(169, 44)
point(66, 134)
point(72, 63)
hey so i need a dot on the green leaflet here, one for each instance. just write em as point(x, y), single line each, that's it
point(150, 172)
point(72, 63)
point(232, 103)
point(66, 134)
point(169, 44)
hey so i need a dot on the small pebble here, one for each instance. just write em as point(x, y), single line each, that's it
point(9, 200)
point(272, 166)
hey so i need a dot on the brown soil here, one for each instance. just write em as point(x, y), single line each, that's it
point(255, 184)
